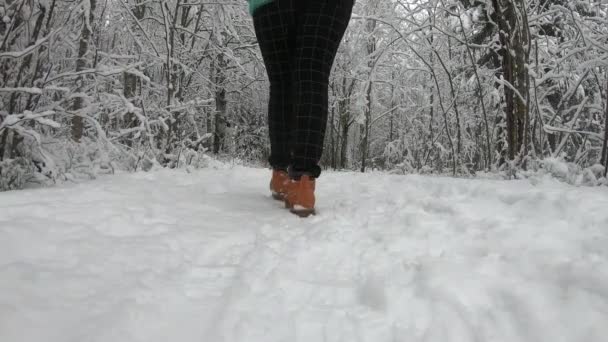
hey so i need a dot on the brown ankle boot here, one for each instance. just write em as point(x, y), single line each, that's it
point(300, 197)
point(278, 184)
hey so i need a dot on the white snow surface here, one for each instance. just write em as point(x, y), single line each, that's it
point(209, 256)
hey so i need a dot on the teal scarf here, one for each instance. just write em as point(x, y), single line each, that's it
point(255, 4)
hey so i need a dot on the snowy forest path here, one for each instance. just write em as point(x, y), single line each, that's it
point(209, 256)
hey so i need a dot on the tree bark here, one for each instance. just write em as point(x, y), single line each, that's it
point(604, 160)
point(220, 104)
point(332, 139)
point(130, 80)
point(88, 16)
point(515, 41)
point(371, 48)
point(345, 120)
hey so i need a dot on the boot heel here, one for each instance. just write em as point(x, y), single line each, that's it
point(302, 212)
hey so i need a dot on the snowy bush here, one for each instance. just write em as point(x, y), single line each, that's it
point(564, 171)
point(14, 173)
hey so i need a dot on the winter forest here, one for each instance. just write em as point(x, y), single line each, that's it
point(418, 86)
point(463, 197)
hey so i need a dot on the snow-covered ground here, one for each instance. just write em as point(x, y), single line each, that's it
point(208, 256)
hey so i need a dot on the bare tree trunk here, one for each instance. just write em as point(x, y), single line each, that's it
point(366, 128)
point(6, 144)
point(393, 104)
point(129, 79)
point(605, 147)
point(88, 16)
point(345, 121)
point(220, 104)
point(332, 130)
point(345, 126)
point(515, 40)
point(371, 48)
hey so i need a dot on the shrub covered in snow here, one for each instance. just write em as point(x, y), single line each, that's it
point(558, 169)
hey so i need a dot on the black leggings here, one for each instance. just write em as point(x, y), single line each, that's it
point(299, 40)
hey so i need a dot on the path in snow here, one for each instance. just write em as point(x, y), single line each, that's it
point(208, 256)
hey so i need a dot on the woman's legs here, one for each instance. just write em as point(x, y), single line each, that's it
point(299, 40)
point(320, 27)
point(274, 28)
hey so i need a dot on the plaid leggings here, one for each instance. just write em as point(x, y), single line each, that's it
point(299, 40)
